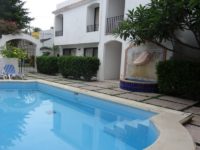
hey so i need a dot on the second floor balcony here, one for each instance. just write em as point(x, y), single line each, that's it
point(112, 23)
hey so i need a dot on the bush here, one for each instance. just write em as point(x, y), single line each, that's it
point(179, 78)
point(47, 64)
point(91, 66)
point(77, 67)
point(13, 52)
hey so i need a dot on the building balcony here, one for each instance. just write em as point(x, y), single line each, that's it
point(59, 33)
point(92, 28)
point(112, 23)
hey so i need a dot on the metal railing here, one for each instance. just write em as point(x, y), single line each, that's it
point(112, 23)
point(59, 33)
point(92, 28)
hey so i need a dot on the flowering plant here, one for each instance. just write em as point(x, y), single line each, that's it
point(13, 52)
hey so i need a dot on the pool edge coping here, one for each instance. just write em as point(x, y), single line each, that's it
point(170, 129)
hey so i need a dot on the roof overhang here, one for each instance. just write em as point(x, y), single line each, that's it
point(71, 6)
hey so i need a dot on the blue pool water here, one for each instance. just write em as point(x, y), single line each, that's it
point(35, 116)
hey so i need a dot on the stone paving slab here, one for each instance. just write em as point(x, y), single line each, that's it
point(194, 110)
point(113, 81)
point(49, 79)
point(103, 84)
point(138, 93)
point(56, 79)
point(70, 80)
point(94, 83)
point(77, 84)
point(49, 76)
point(29, 78)
point(195, 132)
point(147, 94)
point(196, 120)
point(121, 90)
point(91, 88)
point(38, 77)
point(110, 92)
point(63, 82)
point(132, 97)
point(178, 100)
point(166, 104)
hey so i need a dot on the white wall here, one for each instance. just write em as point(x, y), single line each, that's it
point(112, 61)
point(13, 61)
point(115, 8)
point(75, 27)
point(67, 3)
point(6, 38)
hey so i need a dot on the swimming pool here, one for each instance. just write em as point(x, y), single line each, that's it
point(40, 115)
point(36, 116)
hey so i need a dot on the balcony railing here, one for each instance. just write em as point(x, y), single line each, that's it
point(92, 28)
point(59, 33)
point(113, 23)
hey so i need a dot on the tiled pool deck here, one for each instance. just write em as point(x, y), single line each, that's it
point(112, 88)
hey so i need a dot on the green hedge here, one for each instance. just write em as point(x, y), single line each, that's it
point(47, 64)
point(77, 67)
point(179, 78)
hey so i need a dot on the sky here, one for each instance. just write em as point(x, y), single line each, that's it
point(42, 10)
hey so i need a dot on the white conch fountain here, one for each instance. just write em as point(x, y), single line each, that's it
point(140, 68)
point(143, 59)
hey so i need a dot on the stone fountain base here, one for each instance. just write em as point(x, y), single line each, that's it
point(138, 85)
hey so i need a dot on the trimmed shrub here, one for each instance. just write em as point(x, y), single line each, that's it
point(47, 64)
point(91, 66)
point(77, 67)
point(179, 78)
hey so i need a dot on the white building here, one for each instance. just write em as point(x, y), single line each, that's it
point(84, 28)
point(46, 38)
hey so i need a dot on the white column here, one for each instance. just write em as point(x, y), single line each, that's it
point(100, 75)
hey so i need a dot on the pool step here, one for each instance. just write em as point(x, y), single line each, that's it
point(123, 128)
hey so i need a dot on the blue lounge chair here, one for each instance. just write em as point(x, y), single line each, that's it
point(10, 72)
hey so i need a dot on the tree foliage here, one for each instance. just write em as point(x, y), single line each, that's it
point(12, 12)
point(159, 21)
point(7, 27)
point(36, 29)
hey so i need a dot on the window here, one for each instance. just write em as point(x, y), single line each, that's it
point(69, 51)
point(96, 19)
point(91, 52)
point(59, 25)
point(93, 18)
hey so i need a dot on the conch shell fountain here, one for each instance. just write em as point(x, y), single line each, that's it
point(140, 68)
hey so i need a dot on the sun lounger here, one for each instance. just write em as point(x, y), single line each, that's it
point(10, 72)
